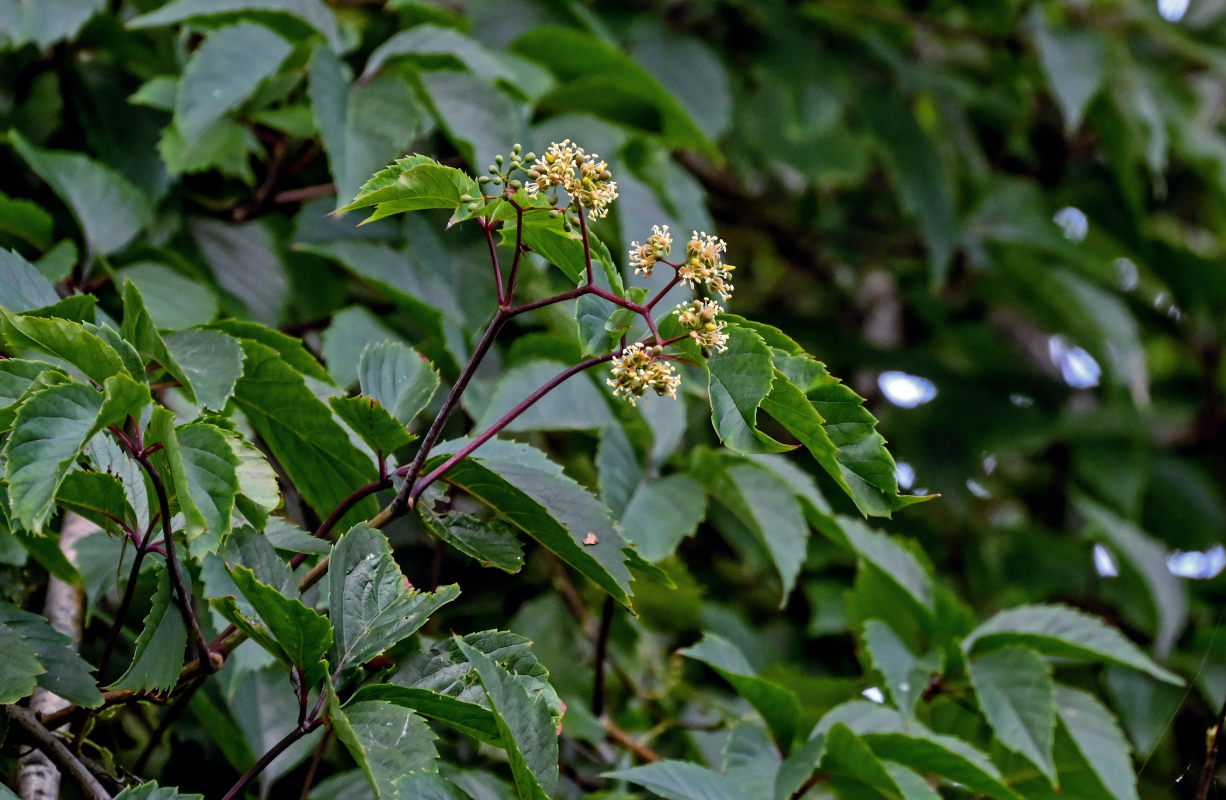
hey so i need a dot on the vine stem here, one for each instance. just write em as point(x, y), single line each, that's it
point(509, 417)
point(55, 749)
point(172, 564)
point(401, 504)
point(277, 749)
point(505, 420)
point(355, 497)
point(488, 228)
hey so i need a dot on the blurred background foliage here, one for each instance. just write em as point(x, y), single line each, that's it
point(1000, 221)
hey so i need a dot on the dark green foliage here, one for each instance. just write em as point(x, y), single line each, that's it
point(393, 448)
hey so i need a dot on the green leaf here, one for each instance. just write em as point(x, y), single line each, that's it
point(906, 675)
point(527, 729)
point(1018, 697)
point(66, 340)
point(110, 209)
point(20, 667)
point(398, 377)
point(767, 505)
point(46, 551)
point(51, 428)
point(106, 456)
point(248, 548)
point(751, 760)
point(56, 264)
point(912, 745)
point(66, 673)
point(740, 378)
point(661, 512)
point(491, 542)
point(27, 221)
point(97, 496)
point(522, 486)
point(430, 43)
point(372, 604)
point(223, 72)
point(211, 470)
point(372, 422)
point(1099, 739)
point(22, 287)
point(173, 300)
point(577, 404)
point(866, 466)
point(151, 791)
point(312, 13)
point(245, 260)
point(1074, 62)
point(160, 646)
point(1063, 632)
point(209, 363)
point(1148, 557)
point(680, 780)
point(847, 756)
point(299, 429)
point(549, 237)
point(363, 126)
point(387, 741)
point(420, 186)
point(600, 324)
point(596, 77)
point(777, 705)
point(440, 683)
point(290, 349)
point(17, 377)
point(427, 786)
point(921, 182)
point(301, 636)
point(895, 562)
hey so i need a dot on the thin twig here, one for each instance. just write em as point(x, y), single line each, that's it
point(355, 497)
point(172, 564)
point(277, 749)
point(37, 775)
point(519, 252)
point(400, 505)
point(121, 613)
point(627, 741)
point(488, 228)
point(1207, 771)
point(58, 752)
point(309, 780)
point(602, 652)
point(506, 419)
point(169, 718)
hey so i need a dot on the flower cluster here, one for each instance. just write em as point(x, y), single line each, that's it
point(638, 369)
point(704, 264)
point(659, 244)
point(699, 318)
point(585, 179)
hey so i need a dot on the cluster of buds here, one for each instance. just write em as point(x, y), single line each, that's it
point(659, 244)
point(699, 318)
point(580, 175)
point(704, 264)
point(638, 369)
point(497, 176)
